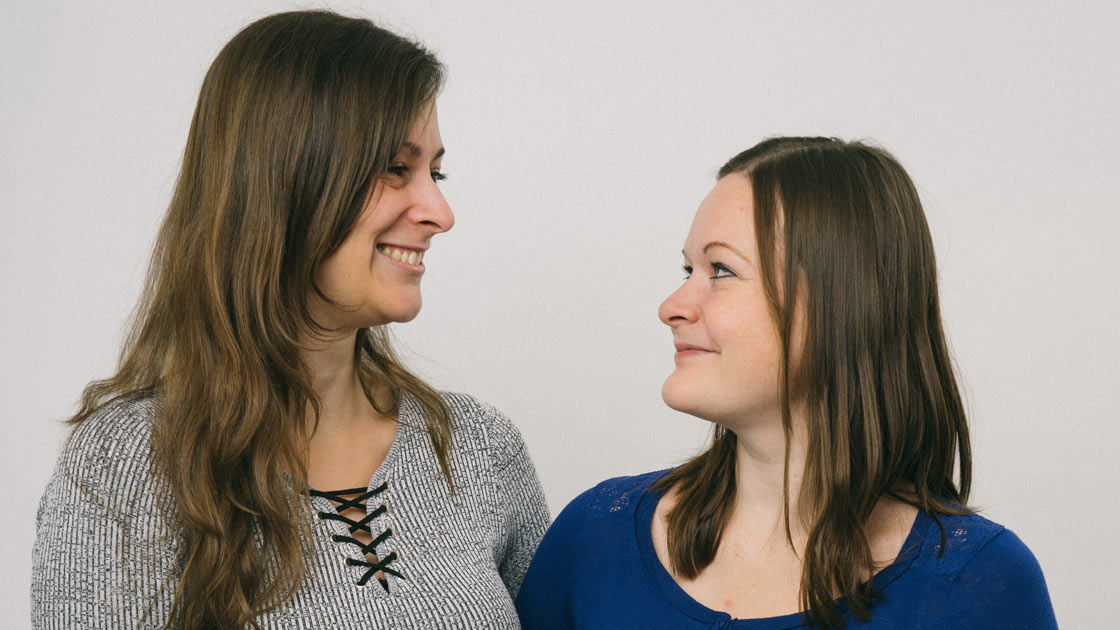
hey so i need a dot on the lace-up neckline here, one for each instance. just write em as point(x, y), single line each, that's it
point(356, 499)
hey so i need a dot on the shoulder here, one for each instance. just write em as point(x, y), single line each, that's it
point(109, 454)
point(990, 569)
point(116, 437)
point(984, 548)
point(472, 414)
point(1004, 552)
point(479, 425)
point(602, 513)
point(599, 523)
point(955, 541)
point(614, 497)
point(588, 554)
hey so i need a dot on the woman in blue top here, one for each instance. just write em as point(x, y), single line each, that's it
point(834, 490)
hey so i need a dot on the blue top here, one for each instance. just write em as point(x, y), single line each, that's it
point(597, 568)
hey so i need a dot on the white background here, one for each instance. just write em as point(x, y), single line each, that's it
point(580, 141)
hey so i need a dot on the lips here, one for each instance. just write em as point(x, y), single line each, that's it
point(688, 351)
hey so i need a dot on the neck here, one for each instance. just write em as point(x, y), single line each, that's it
point(335, 381)
point(760, 475)
point(351, 438)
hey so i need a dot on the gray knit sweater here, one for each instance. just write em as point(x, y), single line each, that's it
point(106, 553)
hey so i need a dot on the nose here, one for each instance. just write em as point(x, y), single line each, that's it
point(432, 210)
point(680, 307)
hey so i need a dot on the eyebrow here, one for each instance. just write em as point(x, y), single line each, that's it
point(415, 151)
point(726, 246)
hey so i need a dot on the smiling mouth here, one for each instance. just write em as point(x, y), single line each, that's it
point(684, 348)
point(406, 256)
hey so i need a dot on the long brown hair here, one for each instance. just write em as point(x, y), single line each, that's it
point(885, 418)
point(298, 116)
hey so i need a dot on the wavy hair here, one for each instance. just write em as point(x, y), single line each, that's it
point(843, 221)
point(298, 117)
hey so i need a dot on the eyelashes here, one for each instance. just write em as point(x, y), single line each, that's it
point(722, 271)
point(401, 170)
point(719, 270)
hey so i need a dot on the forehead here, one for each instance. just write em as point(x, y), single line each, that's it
point(726, 214)
point(425, 126)
point(423, 142)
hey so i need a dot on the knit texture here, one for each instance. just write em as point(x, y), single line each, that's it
point(106, 553)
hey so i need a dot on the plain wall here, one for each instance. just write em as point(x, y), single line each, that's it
point(580, 140)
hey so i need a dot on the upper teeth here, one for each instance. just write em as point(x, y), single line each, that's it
point(403, 255)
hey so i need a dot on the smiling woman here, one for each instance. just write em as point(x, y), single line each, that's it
point(834, 492)
point(261, 457)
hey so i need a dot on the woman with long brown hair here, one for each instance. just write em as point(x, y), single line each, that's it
point(261, 457)
point(834, 492)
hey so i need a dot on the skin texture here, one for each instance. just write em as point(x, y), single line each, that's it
point(727, 371)
point(406, 209)
point(721, 310)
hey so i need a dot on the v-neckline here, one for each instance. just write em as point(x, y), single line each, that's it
point(380, 474)
point(405, 413)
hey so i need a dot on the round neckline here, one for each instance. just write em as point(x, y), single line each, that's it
point(683, 602)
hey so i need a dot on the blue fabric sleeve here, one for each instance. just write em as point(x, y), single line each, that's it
point(1001, 587)
point(545, 597)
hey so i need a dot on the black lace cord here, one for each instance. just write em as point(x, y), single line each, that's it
point(362, 525)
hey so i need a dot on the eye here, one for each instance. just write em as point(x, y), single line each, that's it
point(720, 270)
point(438, 176)
point(400, 170)
point(687, 269)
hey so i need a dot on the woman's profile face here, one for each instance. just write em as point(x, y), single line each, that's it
point(727, 345)
point(375, 274)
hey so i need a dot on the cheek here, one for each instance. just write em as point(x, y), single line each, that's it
point(343, 274)
point(329, 274)
point(381, 216)
point(750, 342)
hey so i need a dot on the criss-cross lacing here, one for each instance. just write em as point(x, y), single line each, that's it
point(369, 550)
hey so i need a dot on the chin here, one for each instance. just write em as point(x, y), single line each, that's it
point(401, 307)
point(679, 395)
point(405, 315)
point(711, 403)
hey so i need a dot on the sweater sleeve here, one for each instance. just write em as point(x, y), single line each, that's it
point(102, 557)
point(1001, 587)
point(523, 508)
